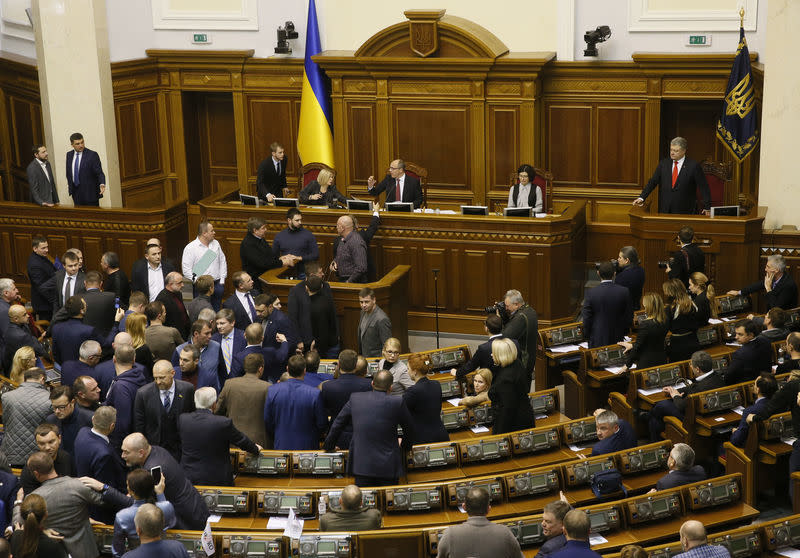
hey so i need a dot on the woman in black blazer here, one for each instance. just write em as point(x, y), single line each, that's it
point(424, 402)
point(682, 317)
point(509, 392)
point(322, 191)
point(703, 293)
point(648, 349)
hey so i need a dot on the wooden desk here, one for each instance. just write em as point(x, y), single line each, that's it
point(479, 257)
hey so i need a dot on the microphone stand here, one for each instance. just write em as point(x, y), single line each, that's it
point(436, 301)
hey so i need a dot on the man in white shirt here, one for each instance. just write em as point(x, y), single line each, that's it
point(206, 253)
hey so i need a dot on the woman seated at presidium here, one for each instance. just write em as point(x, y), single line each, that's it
point(525, 193)
point(322, 191)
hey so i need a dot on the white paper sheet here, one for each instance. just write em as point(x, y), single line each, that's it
point(294, 526)
point(213, 518)
point(597, 539)
point(714, 321)
point(564, 349)
point(719, 419)
point(277, 523)
point(614, 369)
point(584, 345)
point(703, 376)
point(479, 429)
point(653, 391)
point(787, 551)
point(732, 344)
point(454, 401)
point(738, 410)
point(789, 441)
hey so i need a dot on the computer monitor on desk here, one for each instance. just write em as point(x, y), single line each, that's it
point(725, 210)
point(286, 202)
point(405, 207)
point(248, 200)
point(474, 210)
point(359, 205)
point(517, 212)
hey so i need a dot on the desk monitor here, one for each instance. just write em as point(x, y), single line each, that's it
point(286, 202)
point(405, 207)
point(725, 210)
point(359, 205)
point(248, 200)
point(474, 210)
point(517, 212)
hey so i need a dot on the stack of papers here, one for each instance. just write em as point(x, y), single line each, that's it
point(564, 348)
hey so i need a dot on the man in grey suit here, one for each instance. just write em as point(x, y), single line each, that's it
point(68, 502)
point(41, 179)
point(374, 326)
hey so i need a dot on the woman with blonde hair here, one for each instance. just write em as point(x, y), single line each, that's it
point(399, 369)
point(424, 403)
point(135, 325)
point(31, 541)
point(24, 358)
point(648, 350)
point(481, 382)
point(682, 318)
point(703, 293)
point(509, 392)
point(322, 191)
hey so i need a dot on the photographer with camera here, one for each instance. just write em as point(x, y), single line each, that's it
point(522, 326)
point(689, 259)
point(630, 274)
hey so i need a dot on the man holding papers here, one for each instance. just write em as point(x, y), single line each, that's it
point(204, 256)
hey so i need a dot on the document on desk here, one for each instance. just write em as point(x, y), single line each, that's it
point(479, 429)
point(584, 345)
point(454, 401)
point(733, 344)
point(564, 349)
point(714, 321)
point(214, 518)
point(614, 369)
point(653, 391)
point(294, 526)
point(738, 410)
point(787, 551)
point(597, 539)
point(789, 440)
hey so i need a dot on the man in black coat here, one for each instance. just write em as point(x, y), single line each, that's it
point(159, 404)
point(18, 335)
point(375, 456)
point(779, 287)
point(116, 281)
point(256, 253)
point(482, 358)
point(630, 275)
point(752, 358)
point(100, 305)
point(271, 177)
point(300, 312)
point(689, 259)
point(85, 178)
point(172, 299)
point(336, 393)
point(397, 180)
point(152, 261)
point(191, 511)
point(522, 327)
point(679, 178)
point(607, 310)
point(65, 282)
point(206, 441)
point(40, 270)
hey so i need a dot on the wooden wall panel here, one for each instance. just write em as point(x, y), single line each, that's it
point(569, 129)
point(129, 139)
point(619, 160)
point(149, 120)
point(363, 157)
point(502, 148)
point(474, 285)
point(435, 258)
point(272, 119)
point(220, 131)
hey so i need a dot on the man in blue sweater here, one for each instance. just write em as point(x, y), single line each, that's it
point(296, 241)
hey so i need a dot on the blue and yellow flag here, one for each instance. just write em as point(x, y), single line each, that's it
point(315, 133)
point(738, 129)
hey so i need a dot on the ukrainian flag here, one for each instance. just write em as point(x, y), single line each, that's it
point(315, 134)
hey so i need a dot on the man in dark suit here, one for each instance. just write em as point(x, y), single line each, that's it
point(398, 185)
point(482, 358)
point(375, 456)
point(67, 416)
point(65, 282)
point(242, 301)
point(40, 270)
point(779, 287)
point(374, 326)
point(752, 358)
point(116, 281)
point(159, 404)
point(231, 341)
point(191, 511)
point(613, 433)
point(151, 263)
point(271, 177)
point(100, 305)
point(272, 359)
point(206, 440)
point(630, 275)
point(172, 299)
point(300, 307)
point(256, 253)
point(94, 456)
point(764, 388)
point(85, 177)
point(68, 335)
point(41, 180)
point(89, 355)
point(336, 393)
point(689, 259)
point(682, 469)
point(607, 310)
point(679, 178)
point(268, 308)
point(18, 335)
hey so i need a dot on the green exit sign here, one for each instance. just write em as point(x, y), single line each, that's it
point(699, 40)
point(201, 38)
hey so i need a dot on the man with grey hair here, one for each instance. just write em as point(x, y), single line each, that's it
point(399, 186)
point(679, 177)
point(204, 256)
point(206, 439)
point(89, 356)
point(8, 294)
point(149, 521)
point(94, 456)
point(553, 527)
point(682, 469)
point(350, 514)
point(695, 542)
point(779, 288)
point(350, 259)
point(613, 433)
point(522, 326)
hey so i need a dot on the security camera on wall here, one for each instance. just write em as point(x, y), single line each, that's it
point(599, 35)
point(284, 34)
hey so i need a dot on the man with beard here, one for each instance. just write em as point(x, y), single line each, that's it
point(296, 241)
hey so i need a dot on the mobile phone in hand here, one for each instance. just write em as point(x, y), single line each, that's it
point(156, 472)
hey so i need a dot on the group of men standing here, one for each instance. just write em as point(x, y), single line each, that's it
point(85, 177)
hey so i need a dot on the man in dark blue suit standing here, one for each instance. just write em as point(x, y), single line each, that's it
point(336, 393)
point(607, 310)
point(85, 177)
point(94, 456)
point(70, 334)
point(375, 457)
point(679, 178)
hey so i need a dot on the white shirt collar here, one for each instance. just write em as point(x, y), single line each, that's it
point(103, 436)
point(171, 392)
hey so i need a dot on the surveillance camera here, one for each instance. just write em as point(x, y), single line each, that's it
point(284, 34)
point(599, 35)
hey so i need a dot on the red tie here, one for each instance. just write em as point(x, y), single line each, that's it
point(397, 191)
point(674, 174)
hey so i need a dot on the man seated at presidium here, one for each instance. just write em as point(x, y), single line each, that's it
point(679, 177)
point(398, 185)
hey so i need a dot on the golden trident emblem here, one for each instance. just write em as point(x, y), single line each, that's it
point(741, 99)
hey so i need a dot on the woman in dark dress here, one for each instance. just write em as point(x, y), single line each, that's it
point(509, 392)
point(648, 349)
point(703, 293)
point(322, 191)
point(682, 317)
point(424, 402)
point(30, 541)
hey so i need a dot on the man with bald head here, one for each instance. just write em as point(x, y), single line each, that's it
point(351, 515)
point(19, 335)
point(375, 456)
point(350, 261)
point(398, 185)
point(172, 299)
point(191, 511)
point(695, 544)
point(87, 392)
point(105, 372)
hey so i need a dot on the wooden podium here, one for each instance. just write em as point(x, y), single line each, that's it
point(731, 245)
point(391, 294)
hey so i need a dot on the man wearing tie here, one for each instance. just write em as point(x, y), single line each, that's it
point(242, 302)
point(679, 178)
point(85, 177)
point(271, 177)
point(397, 184)
point(40, 178)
